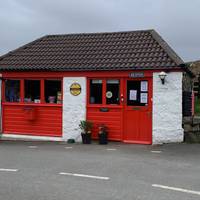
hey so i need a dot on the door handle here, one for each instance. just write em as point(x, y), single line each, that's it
point(122, 98)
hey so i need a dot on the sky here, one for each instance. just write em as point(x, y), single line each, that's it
point(177, 21)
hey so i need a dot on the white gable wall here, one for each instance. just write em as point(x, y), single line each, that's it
point(167, 108)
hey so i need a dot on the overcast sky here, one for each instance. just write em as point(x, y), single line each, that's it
point(178, 21)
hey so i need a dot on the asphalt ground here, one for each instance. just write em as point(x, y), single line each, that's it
point(61, 171)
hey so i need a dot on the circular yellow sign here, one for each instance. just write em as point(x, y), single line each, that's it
point(75, 89)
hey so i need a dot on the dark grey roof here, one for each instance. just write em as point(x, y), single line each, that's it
point(93, 51)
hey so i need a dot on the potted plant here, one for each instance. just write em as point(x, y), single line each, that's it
point(86, 127)
point(103, 134)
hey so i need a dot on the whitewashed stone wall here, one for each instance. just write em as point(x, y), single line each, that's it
point(167, 108)
point(74, 108)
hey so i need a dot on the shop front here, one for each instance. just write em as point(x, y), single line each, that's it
point(34, 106)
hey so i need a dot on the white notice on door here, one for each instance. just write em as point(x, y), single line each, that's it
point(143, 98)
point(144, 86)
point(133, 95)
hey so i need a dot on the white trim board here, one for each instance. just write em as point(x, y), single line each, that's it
point(29, 137)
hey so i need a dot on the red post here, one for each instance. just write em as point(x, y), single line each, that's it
point(22, 90)
point(193, 102)
point(42, 93)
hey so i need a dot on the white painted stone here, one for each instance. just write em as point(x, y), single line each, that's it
point(167, 108)
point(74, 108)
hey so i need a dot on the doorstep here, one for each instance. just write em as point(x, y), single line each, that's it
point(29, 137)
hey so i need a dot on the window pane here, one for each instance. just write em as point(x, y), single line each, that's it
point(52, 91)
point(137, 93)
point(12, 90)
point(112, 92)
point(32, 91)
point(96, 91)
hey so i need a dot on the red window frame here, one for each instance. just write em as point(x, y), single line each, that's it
point(22, 92)
point(104, 92)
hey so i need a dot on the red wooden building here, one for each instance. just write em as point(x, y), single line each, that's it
point(119, 75)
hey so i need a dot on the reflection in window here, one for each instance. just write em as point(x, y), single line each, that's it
point(112, 92)
point(95, 91)
point(32, 91)
point(12, 90)
point(53, 91)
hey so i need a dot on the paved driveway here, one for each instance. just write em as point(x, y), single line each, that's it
point(58, 171)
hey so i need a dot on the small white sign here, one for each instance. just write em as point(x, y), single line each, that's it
point(143, 98)
point(109, 94)
point(133, 95)
point(36, 100)
point(144, 86)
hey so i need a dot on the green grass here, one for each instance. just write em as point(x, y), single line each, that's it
point(197, 106)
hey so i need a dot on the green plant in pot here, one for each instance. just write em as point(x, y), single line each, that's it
point(103, 134)
point(86, 128)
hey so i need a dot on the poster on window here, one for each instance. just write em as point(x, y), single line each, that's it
point(143, 98)
point(144, 86)
point(133, 95)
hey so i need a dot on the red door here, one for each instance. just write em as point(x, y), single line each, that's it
point(138, 111)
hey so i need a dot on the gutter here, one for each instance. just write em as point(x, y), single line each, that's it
point(184, 66)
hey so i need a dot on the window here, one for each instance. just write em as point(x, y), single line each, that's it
point(95, 91)
point(112, 92)
point(137, 93)
point(32, 91)
point(53, 91)
point(12, 90)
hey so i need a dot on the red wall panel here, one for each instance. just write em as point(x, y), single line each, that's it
point(112, 119)
point(32, 120)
